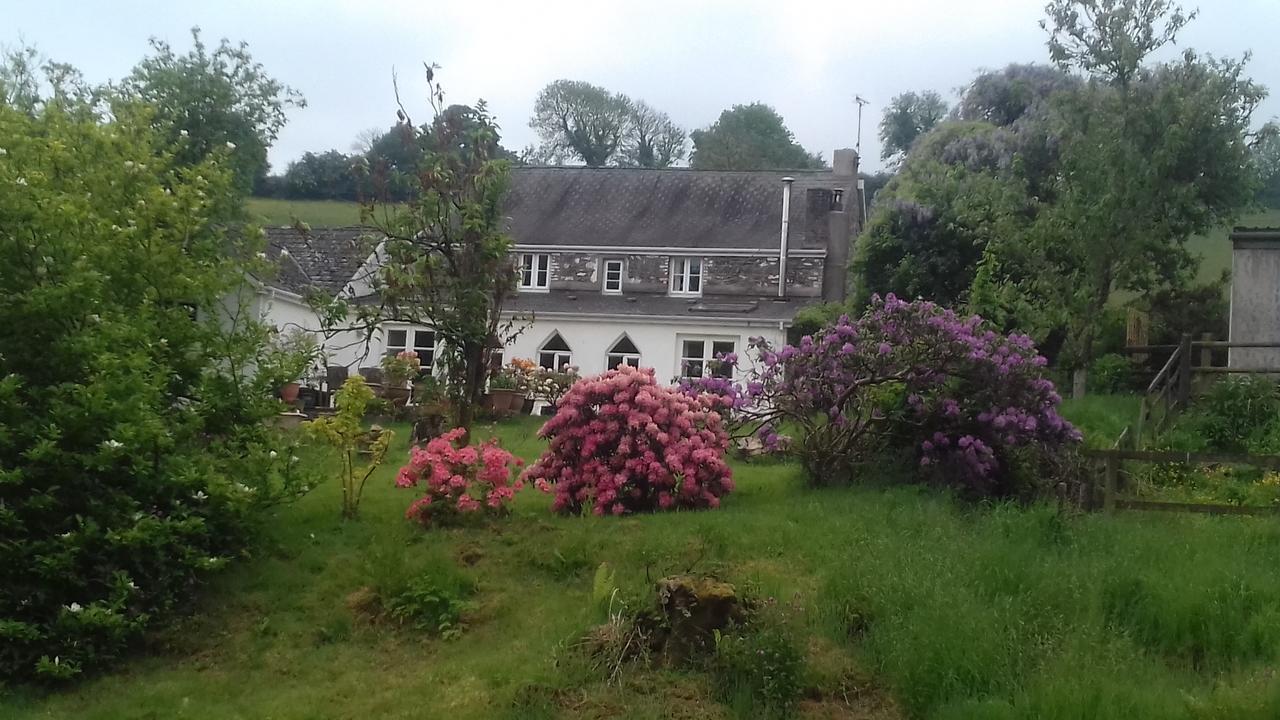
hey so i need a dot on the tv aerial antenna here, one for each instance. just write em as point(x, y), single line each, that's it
point(860, 101)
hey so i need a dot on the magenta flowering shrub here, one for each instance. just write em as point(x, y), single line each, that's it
point(958, 395)
point(621, 443)
point(459, 480)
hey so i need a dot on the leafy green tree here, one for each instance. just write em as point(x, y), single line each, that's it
point(444, 257)
point(1266, 160)
point(324, 176)
point(653, 140)
point(1150, 155)
point(134, 386)
point(1003, 97)
point(580, 120)
point(909, 116)
point(750, 137)
point(207, 101)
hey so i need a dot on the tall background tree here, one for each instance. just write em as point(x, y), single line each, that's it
point(1090, 178)
point(209, 100)
point(909, 116)
point(750, 137)
point(576, 119)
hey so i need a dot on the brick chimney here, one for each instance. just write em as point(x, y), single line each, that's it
point(844, 220)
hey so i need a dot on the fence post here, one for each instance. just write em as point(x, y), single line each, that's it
point(1206, 353)
point(1184, 370)
point(1111, 472)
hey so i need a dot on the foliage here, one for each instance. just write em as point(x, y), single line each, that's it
point(812, 318)
point(504, 380)
point(1149, 157)
point(458, 479)
point(444, 260)
point(909, 116)
point(1110, 374)
point(344, 431)
point(1235, 412)
point(622, 443)
point(430, 606)
point(329, 175)
point(931, 246)
point(758, 668)
point(750, 137)
point(400, 368)
point(654, 140)
point(208, 100)
point(133, 449)
point(962, 398)
point(298, 351)
point(578, 120)
point(1014, 93)
point(1266, 161)
point(1190, 308)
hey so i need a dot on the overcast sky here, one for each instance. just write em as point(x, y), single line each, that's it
point(689, 58)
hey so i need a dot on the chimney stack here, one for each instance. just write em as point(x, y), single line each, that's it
point(843, 223)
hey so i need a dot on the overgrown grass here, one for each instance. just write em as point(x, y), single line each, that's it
point(909, 604)
point(1101, 417)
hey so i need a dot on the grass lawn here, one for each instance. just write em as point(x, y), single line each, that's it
point(906, 604)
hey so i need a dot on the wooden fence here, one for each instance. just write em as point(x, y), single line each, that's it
point(1170, 391)
point(1113, 500)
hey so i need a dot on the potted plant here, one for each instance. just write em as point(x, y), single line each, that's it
point(504, 393)
point(523, 370)
point(294, 355)
point(397, 371)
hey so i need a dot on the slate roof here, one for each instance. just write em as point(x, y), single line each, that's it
point(718, 308)
point(658, 208)
point(321, 259)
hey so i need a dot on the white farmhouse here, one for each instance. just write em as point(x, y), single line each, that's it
point(654, 268)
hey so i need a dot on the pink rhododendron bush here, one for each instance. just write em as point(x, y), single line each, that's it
point(969, 404)
point(621, 443)
point(459, 480)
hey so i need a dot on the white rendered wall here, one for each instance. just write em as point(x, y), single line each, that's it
point(658, 342)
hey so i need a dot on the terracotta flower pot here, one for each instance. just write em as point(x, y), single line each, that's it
point(289, 393)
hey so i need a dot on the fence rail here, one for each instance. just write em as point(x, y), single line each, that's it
point(1170, 390)
point(1113, 501)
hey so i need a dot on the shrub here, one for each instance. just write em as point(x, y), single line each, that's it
point(1235, 413)
point(430, 606)
point(622, 443)
point(912, 375)
point(1111, 374)
point(459, 480)
point(345, 432)
point(133, 450)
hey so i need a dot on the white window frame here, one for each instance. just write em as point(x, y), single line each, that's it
point(411, 342)
point(604, 274)
point(684, 361)
point(535, 272)
point(632, 359)
point(684, 272)
point(559, 358)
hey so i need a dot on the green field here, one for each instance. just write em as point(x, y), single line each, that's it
point(905, 603)
point(1214, 249)
point(317, 213)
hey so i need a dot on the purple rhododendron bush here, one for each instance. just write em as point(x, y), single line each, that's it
point(969, 404)
point(622, 443)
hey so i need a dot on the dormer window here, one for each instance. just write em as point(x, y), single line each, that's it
point(535, 271)
point(613, 277)
point(686, 276)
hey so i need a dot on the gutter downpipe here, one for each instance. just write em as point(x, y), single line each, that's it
point(782, 243)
